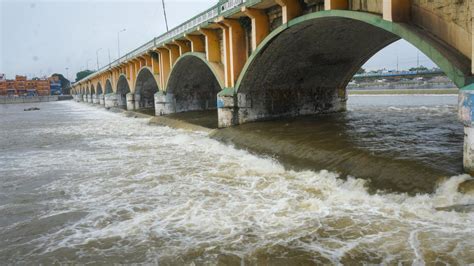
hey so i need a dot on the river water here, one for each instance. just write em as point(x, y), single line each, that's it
point(79, 184)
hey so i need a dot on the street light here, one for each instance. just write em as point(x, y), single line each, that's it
point(97, 56)
point(118, 41)
point(67, 73)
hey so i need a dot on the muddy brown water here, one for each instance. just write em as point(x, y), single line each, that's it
point(83, 185)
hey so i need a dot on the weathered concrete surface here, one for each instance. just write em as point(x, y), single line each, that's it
point(95, 99)
point(300, 73)
point(101, 99)
point(30, 99)
point(130, 101)
point(164, 103)
point(192, 86)
point(110, 100)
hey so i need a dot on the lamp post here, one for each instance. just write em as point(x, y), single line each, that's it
point(118, 41)
point(97, 56)
point(67, 73)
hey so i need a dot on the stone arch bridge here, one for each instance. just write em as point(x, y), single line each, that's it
point(265, 59)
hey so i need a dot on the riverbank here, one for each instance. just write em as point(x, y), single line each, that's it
point(405, 92)
point(34, 99)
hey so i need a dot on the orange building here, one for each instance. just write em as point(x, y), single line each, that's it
point(21, 86)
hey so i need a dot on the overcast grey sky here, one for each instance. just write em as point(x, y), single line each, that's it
point(43, 37)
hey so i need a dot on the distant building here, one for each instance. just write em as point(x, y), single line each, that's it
point(21, 86)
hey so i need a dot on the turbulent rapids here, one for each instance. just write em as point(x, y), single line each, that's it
point(79, 184)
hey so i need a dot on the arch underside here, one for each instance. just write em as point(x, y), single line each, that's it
point(145, 89)
point(122, 90)
point(108, 87)
point(99, 89)
point(305, 68)
point(193, 85)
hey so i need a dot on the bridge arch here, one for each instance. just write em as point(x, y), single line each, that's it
point(99, 88)
point(194, 83)
point(304, 66)
point(122, 90)
point(92, 90)
point(146, 86)
point(108, 87)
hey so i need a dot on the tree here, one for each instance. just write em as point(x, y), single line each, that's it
point(82, 74)
point(65, 83)
point(420, 68)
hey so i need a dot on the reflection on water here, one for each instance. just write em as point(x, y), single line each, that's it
point(79, 184)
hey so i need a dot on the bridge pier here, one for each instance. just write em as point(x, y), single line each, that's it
point(164, 103)
point(466, 115)
point(95, 99)
point(110, 100)
point(101, 99)
point(137, 101)
point(130, 97)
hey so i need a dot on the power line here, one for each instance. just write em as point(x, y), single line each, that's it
point(164, 12)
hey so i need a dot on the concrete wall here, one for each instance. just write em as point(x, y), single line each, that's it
point(32, 99)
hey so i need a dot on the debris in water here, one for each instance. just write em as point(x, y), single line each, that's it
point(31, 109)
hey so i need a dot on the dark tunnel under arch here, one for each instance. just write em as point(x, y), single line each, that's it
point(145, 88)
point(304, 67)
point(194, 84)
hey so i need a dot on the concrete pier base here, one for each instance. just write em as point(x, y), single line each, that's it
point(226, 111)
point(137, 101)
point(110, 100)
point(78, 98)
point(130, 101)
point(101, 99)
point(164, 103)
point(91, 98)
point(466, 116)
point(95, 99)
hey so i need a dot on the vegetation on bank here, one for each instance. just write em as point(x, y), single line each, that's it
point(403, 91)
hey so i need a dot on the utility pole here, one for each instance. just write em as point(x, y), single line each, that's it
point(108, 50)
point(397, 63)
point(118, 41)
point(164, 13)
point(97, 56)
point(67, 73)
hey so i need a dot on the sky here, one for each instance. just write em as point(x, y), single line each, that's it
point(43, 37)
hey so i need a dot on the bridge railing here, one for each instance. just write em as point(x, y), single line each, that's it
point(223, 8)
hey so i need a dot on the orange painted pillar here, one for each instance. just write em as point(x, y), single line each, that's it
point(336, 4)
point(226, 55)
point(174, 53)
point(236, 49)
point(396, 10)
point(290, 9)
point(197, 43)
point(184, 46)
point(260, 25)
point(165, 66)
point(213, 50)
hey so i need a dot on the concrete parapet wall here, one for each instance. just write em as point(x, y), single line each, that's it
point(32, 99)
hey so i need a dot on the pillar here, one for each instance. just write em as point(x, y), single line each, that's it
point(95, 99)
point(336, 4)
point(197, 43)
point(165, 103)
point(101, 99)
point(184, 47)
point(290, 9)
point(130, 98)
point(110, 100)
point(260, 25)
point(137, 102)
point(213, 49)
point(235, 48)
point(396, 10)
point(165, 66)
point(466, 115)
point(174, 53)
